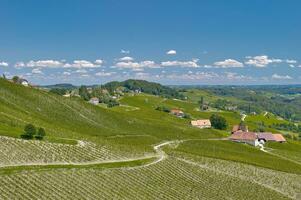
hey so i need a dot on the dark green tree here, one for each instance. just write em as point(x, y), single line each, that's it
point(15, 79)
point(29, 131)
point(201, 102)
point(83, 92)
point(218, 122)
point(41, 134)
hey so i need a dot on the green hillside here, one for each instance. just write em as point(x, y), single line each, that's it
point(133, 151)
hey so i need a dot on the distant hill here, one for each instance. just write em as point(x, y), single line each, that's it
point(146, 87)
point(60, 86)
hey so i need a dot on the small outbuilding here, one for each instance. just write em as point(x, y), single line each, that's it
point(94, 101)
point(177, 112)
point(201, 123)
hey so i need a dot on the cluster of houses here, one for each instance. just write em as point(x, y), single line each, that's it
point(200, 123)
point(241, 134)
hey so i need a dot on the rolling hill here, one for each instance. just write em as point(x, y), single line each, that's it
point(132, 151)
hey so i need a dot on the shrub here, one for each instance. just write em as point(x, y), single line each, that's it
point(112, 103)
point(163, 108)
point(41, 134)
point(29, 131)
point(218, 122)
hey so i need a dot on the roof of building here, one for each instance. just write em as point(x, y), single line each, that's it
point(243, 136)
point(94, 99)
point(176, 111)
point(266, 136)
point(279, 137)
point(201, 122)
point(235, 128)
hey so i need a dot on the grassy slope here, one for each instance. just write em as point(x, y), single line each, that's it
point(129, 129)
point(74, 118)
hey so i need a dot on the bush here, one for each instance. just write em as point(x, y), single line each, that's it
point(187, 116)
point(41, 134)
point(218, 122)
point(112, 103)
point(163, 108)
point(29, 131)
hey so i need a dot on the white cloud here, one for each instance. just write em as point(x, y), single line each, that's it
point(36, 71)
point(135, 65)
point(236, 76)
point(124, 51)
point(20, 64)
point(126, 59)
point(81, 71)
point(3, 64)
point(85, 75)
point(291, 61)
point(98, 62)
point(261, 61)
point(105, 73)
point(57, 64)
point(141, 75)
point(67, 73)
point(228, 63)
point(171, 52)
point(83, 64)
point(192, 63)
point(292, 66)
point(44, 63)
point(281, 77)
point(194, 76)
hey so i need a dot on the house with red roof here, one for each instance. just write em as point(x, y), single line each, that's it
point(245, 137)
point(256, 138)
point(177, 112)
point(201, 123)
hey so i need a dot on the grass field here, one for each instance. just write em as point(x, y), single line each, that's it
point(93, 152)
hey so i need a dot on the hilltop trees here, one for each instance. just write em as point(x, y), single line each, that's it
point(30, 132)
point(15, 79)
point(218, 122)
point(83, 92)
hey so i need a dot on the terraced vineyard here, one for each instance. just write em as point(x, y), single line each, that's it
point(169, 179)
point(26, 152)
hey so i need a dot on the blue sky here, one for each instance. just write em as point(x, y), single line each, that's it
point(171, 42)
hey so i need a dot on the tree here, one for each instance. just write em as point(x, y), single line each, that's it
point(242, 126)
point(41, 134)
point(83, 92)
point(29, 131)
point(201, 102)
point(15, 79)
point(218, 122)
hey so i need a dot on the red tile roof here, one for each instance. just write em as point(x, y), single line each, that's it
point(279, 138)
point(243, 136)
point(176, 111)
point(266, 136)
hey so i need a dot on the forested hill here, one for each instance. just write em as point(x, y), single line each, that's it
point(146, 87)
